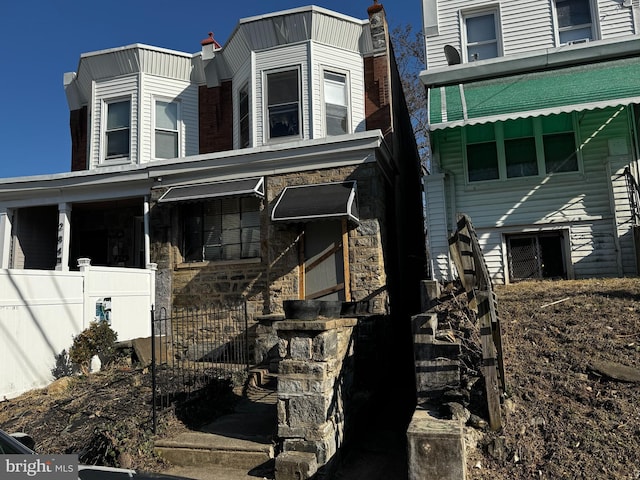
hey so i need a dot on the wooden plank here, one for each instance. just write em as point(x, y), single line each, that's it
point(301, 269)
point(489, 360)
point(345, 260)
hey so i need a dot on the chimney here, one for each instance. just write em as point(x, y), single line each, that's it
point(209, 47)
point(378, 23)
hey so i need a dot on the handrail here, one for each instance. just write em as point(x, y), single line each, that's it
point(634, 195)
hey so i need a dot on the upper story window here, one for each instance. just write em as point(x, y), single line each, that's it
point(166, 133)
point(243, 108)
point(481, 35)
point(221, 229)
point(283, 103)
point(521, 148)
point(118, 129)
point(336, 103)
point(574, 21)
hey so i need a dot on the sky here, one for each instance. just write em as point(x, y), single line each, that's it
point(40, 40)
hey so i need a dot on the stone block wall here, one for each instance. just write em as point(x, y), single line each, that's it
point(314, 385)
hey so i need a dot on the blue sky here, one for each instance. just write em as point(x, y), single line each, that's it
point(40, 40)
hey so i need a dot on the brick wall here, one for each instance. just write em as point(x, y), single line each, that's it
point(215, 108)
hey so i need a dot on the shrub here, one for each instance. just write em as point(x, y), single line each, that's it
point(98, 339)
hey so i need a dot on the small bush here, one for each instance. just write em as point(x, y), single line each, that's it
point(64, 366)
point(98, 339)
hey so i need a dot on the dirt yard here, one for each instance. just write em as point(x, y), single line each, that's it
point(563, 417)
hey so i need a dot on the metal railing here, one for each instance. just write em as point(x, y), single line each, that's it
point(194, 347)
point(634, 195)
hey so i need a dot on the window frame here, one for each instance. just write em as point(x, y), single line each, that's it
point(242, 142)
point(493, 10)
point(106, 131)
point(156, 128)
point(199, 209)
point(539, 136)
point(267, 105)
point(347, 94)
point(594, 25)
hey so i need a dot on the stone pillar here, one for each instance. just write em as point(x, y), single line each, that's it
point(315, 376)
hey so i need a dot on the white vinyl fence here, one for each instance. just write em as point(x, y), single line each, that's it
point(42, 310)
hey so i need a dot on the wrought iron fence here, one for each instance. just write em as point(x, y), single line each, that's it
point(194, 347)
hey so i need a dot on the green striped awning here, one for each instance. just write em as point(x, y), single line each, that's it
point(582, 87)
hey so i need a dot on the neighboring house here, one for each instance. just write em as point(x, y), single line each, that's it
point(281, 165)
point(534, 115)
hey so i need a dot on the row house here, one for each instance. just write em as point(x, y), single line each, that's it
point(281, 165)
point(533, 110)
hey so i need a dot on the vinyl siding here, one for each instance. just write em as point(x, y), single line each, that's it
point(117, 88)
point(437, 229)
point(350, 62)
point(526, 25)
point(581, 200)
point(284, 57)
point(152, 88)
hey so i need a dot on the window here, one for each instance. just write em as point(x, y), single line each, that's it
point(481, 35)
point(117, 134)
point(574, 20)
point(335, 103)
point(521, 148)
point(283, 104)
point(166, 140)
point(243, 107)
point(222, 229)
point(536, 256)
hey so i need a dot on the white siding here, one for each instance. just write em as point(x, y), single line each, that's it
point(526, 25)
point(326, 57)
point(186, 94)
point(437, 230)
point(116, 88)
point(288, 56)
point(580, 200)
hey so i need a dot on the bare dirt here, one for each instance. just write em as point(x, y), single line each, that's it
point(562, 417)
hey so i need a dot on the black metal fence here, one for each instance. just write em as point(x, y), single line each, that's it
point(193, 347)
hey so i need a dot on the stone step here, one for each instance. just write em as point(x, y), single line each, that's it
point(203, 448)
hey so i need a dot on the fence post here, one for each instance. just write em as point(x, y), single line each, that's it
point(153, 371)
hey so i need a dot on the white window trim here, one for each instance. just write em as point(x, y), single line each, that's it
point(179, 125)
point(244, 85)
point(493, 9)
point(595, 23)
point(347, 86)
point(502, 162)
point(104, 102)
point(265, 106)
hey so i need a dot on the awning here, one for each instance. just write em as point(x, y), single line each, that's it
point(323, 201)
point(203, 191)
point(577, 88)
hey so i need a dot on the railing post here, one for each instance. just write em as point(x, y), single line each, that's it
point(153, 371)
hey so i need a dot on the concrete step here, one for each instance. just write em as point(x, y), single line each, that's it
point(242, 440)
point(220, 473)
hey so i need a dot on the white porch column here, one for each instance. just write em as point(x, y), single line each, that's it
point(5, 237)
point(147, 241)
point(64, 235)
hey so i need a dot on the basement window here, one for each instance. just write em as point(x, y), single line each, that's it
point(536, 256)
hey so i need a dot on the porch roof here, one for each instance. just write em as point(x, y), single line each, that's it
point(304, 203)
point(203, 191)
point(576, 88)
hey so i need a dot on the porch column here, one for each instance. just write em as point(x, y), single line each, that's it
point(5, 237)
point(64, 235)
point(147, 241)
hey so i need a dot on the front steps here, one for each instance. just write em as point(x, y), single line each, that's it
point(242, 441)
